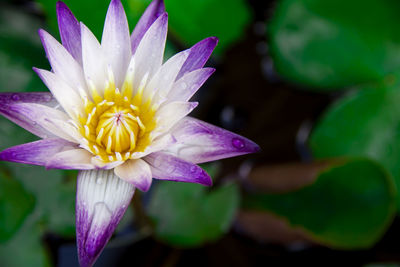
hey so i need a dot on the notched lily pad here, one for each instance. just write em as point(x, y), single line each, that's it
point(349, 206)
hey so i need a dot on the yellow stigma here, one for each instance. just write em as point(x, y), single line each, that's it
point(116, 124)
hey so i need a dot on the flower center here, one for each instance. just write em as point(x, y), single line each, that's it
point(117, 130)
point(117, 124)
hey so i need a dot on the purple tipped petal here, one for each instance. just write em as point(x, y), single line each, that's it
point(62, 62)
point(116, 41)
point(36, 153)
point(168, 167)
point(101, 200)
point(9, 99)
point(70, 31)
point(198, 142)
point(188, 85)
point(136, 172)
point(153, 11)
point(199, 54)
point(76, 159)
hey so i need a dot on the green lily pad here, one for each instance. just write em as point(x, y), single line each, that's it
point(363, 123)
point(15, 205)
point(349, 206)
point(192, 21)
point(335, 43)
point(186, 215)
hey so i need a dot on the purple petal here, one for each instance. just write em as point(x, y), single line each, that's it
point(136, 172)
point(198, 142)
point(116, 41)
point(9, 99)
point(76, 159)
point(101, 200)
point(187, 86)
point(36, 153)
point(168, 167)
point(199, 54)
point(70, 31)
point(153, 11)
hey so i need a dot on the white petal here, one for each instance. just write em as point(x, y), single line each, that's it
point(163, 80)
point(49, 118)
point(170, 113)
point(93, 59)
point(62, 63)
point(136, 172)
point(150, 52)
point(187, 86)
point(116, 41)
point(68, 98)
point(159, 143)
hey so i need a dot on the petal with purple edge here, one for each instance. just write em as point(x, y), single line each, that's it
point(116, 41)
point(101, 200)
point(76, 159)
point(36, 153)
point(199, 54)
point(199, 142)
point(168, 167)
point(48, 118)
point(7, 99)
point(150, 52)
point(136, 172)
point(152, 12)
point(188, 85)
point(70, 31)
point(62, 62)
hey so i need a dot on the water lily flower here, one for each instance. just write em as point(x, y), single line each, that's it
point(118, 114)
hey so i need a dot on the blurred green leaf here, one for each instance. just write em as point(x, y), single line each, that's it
point(20, 50)
point(349, 206)
point(335, 43)
point(25, 248)
point(192, 21)
point(55, 196)
point(15, 205)
point(186, 215)
point(363, 123)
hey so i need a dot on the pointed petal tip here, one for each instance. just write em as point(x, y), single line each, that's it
point(213, 39)
point(61, 6)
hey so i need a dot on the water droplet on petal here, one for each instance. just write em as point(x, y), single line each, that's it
point(99, 180)
point(238, 143)
point(15, 97)
point(183, 85)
